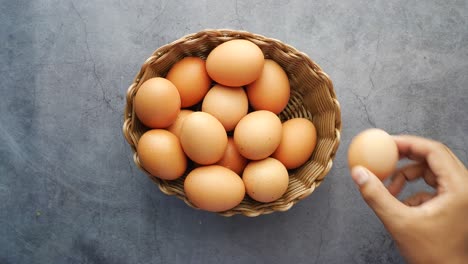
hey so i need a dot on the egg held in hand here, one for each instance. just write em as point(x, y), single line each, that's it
point(375, 150)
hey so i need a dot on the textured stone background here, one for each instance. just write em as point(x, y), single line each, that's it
point(70, 193)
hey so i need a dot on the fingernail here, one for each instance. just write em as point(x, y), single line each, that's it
point(360, 175)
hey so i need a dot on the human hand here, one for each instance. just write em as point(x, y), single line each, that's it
point(427, 227)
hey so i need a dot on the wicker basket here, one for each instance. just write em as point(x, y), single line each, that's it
point(312, 97)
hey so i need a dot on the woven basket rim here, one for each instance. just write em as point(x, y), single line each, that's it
point(229, 33)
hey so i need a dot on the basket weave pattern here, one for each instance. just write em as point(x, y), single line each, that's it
point(312, 97)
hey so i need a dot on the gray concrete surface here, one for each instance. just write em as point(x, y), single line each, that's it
point(70, 193)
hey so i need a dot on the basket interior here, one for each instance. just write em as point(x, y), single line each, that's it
point(312, 97)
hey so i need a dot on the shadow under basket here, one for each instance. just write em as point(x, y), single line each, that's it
point(312, 97)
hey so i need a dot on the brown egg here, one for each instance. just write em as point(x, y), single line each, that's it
point(297, 142)
point(271, 90)
point(258, 134)
point(214, 188)
point(232, 159)
point(376, 150)
point(235, 63)
point(157, 103)
point(265, 180)
point(160, 153)
point(203, 138)
point(177, 125)
point(227, 104)
point(191, 79)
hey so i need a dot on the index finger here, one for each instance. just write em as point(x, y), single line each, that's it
point(414, 147)
point(438, 157)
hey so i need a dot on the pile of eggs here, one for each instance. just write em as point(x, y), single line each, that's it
point(222, 115)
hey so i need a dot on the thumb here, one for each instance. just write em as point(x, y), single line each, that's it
point(376, 195)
